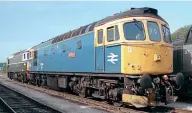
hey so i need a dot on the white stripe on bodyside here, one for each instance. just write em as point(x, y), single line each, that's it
point(16, 63)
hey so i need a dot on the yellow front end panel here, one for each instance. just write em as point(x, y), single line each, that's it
point(147, 59)
point(28, 66)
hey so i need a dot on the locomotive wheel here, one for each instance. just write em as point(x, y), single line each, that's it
point(22, 79)
point(89, 92)
point(37, 83)
point(83, 92)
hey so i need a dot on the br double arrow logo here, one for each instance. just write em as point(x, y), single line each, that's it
point(112, 58)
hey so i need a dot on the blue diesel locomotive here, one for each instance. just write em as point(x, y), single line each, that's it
point(126, 58)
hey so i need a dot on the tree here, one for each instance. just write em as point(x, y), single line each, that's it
point(180, 33)
point(4, 69)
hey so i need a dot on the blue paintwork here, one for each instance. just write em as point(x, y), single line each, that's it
point(85, 59)
point(99, 57)
point(60, 62)
point(113, 65)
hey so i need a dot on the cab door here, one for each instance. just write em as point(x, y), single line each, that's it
point(187, 53)
point(99, 51)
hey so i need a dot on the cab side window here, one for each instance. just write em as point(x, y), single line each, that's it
point(35, 54)
point(166, 34)
point(23, 56)
point(100, 36)
point(112, 34)
point(189, 38)
point(117, 37)
point(35, 59)
point(28, 55)
point(79, 44)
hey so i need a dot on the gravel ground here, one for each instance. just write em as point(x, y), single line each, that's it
point(182, 105)
point(62, 105)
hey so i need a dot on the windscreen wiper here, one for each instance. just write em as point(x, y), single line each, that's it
point(135, 22)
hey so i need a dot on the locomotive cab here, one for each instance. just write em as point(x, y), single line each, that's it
point(143, 44)
point(147, 47)
point(147, 58)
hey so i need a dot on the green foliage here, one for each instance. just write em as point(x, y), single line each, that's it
point(180, 33)
point(4, 69)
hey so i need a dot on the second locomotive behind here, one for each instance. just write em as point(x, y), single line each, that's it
point(183, 63)
point(127, 58)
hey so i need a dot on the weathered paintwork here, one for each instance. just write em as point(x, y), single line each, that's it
point(16, 63)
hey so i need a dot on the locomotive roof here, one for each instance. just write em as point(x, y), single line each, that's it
point(22, 51)
point(133, 12)
point(17, 53)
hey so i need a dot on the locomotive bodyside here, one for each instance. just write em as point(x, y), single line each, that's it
point(17, 65)
point(66, 56)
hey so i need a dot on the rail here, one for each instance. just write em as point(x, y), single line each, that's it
point(14, 102)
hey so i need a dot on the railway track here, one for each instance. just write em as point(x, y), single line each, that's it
point(98, 104)
point(4, 108)
point(14, 102)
